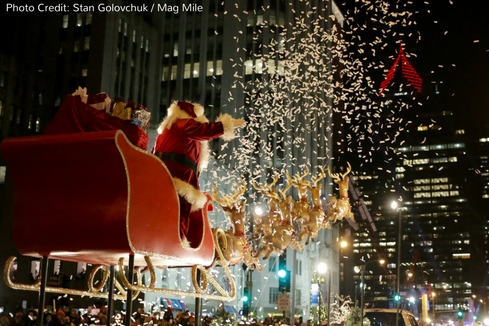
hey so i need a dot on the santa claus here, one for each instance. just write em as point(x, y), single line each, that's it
point(182, 144)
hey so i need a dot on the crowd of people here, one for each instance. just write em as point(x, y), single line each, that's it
point(98, 316)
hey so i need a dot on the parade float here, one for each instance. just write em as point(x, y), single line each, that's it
point(90, 172)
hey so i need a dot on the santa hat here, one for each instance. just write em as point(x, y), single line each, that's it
point(182, 110)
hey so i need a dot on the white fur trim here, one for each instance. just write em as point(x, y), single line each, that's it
point(174, 113)
point(227, 122)
point(191, 194)
point(198, 109)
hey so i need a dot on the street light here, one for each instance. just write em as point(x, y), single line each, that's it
point(361, 269)
point(394, 205)
point(433, 295)
point(323, 268)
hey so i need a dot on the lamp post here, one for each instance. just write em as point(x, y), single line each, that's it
point(433, 295)
point(394, 205)
point(361, 269)
point(322, 268)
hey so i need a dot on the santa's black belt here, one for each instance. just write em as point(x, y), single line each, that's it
point(179, 159)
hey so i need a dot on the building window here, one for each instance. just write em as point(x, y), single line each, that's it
point(84, 72)
point(40, 98)
point(173, 73)
point(3, 172)
point(125, 29)
point(164, 75)
point(298, 297)
point(79, 19)
point(38, 124)
point(65, 21)
point(273, 295)
point(31, 121)
point(88, 19)
point(77, 46)
point(196, 70)
point(218, 67)
point(461, 256)
point(86, 43)
point(19, 116)
point(134, 36)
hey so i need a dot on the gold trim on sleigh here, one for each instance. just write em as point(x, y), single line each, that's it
point(95, 291)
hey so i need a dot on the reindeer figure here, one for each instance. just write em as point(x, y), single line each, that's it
point(339, 208)
point(265, 223)
point(237, 248)
point(279, 236)
point(316, 214)
point(301, 208)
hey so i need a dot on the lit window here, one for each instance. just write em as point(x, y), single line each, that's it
point(173, 73)
point(38, 124)
point(125, 29)
point(218, 67)
point(88, 19)
point(421, 181)
point(210, 69)
point(175, 49)
point(31, 121)
point(422, 128)
point(84, 72)
point(3, 172)
point(65, 21)
point(86, 43)
point(164, 76)
point(461, 256)
point(79, 20)
point(422, 195)
point(187, 70)
point(459, 132)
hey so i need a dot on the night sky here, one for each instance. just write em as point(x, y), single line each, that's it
point(449, 44)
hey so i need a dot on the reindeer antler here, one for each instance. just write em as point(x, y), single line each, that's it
point(267, 187)
point(224, 201)
point(299, 178)
point(333, 176)
point(347, 171)
point(241, 189)
point(315, 180)
point(289, 184)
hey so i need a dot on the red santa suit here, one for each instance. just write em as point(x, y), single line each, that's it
point(182, 144)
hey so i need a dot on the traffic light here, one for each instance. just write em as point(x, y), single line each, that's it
point(246, 301)
point(397, 298)
point(283, 274)
point(284, 282)
point(460, 314)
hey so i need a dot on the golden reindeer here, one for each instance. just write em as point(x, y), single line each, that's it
point(237, 248)
point(316, 214)
point(265, 223)
point(301, 208)
point(340, 208)
point(279, 236)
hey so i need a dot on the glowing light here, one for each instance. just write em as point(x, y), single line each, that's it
point(282, 273)
point(258, 210)
point(322, 268)
point(343, 244)
point(394, 204)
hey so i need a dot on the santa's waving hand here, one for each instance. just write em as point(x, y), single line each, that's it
point(182, 144)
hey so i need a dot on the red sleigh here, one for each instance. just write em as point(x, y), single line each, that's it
point(120, 204)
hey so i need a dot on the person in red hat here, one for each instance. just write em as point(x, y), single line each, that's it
point(182, 144)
